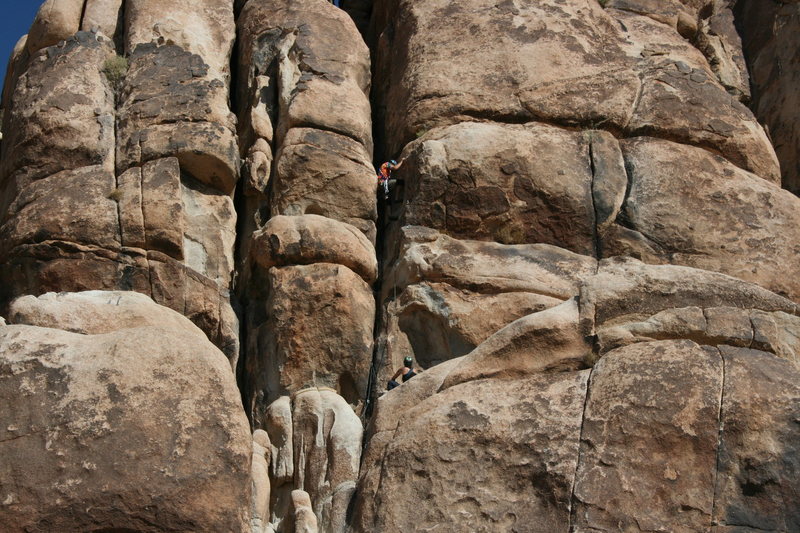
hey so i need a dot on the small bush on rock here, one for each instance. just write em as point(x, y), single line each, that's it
point(115, 68)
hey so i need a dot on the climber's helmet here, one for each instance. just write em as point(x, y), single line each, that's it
point(408, 361)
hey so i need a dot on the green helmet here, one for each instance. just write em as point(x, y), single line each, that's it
point(408, 361)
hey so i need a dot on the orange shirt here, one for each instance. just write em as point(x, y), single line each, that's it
point(385, 172)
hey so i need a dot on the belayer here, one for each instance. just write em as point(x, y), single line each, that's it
point(385, 175)
point(407, 371)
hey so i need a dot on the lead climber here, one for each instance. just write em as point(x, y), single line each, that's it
point(407, 371)
point(385, 176)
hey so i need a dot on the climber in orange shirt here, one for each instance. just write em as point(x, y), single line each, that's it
point(385, 175)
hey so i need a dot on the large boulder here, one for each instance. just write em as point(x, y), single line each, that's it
point(649, 439)
point(488, 455)
point(118, 414)
point(729, 229)
point(308, 239)
point(173, 104)
point(445, 296)
point(56, 20)
point(318, 172)
point(104, 16)
point(62, 114)
point(202, 27)
point(571, 63)
point(628, 406)
point(313, 329)
point(513, 184)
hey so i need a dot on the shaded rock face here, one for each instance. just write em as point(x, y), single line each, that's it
point(129, 414)
point(587, 251)
point(770, 34)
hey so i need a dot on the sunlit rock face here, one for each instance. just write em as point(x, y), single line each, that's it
point(588, 255)
point(580, 247)
point(117, 414)
point(120, 158)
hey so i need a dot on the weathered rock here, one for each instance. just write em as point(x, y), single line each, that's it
point(566, 62)
point(626, 287)
point(278, 424)
point(63, 116)
point(720, 42)
point(548, 341)
point(445, 296)
point(63, 266)
point(316, 439)
point(56, 20)
point(435, 322)
point(609, 182)
point(488, 455)
point(309, 239)
point(202, 27)
point(260, 476)
point(423, 254)
point(71, 206)
point(316, 330)
point(548, 144)
point(322, 173)
point(173, 104)
point(149, 415)
point(729, 229)
point(770, 37)
point(323, 58)
point(682, 100)
point(93, 312)
point(304, 519)
point(648, 453)
point(778, 333)
point(509, 183)
point(758, 483)
point(775, 332)
point(104, 16)
point(16, 65)
point(303, 83)
point(652, 422)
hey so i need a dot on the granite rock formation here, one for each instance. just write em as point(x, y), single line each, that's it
point(117, 414)
point(592, 250)
point(131, 161)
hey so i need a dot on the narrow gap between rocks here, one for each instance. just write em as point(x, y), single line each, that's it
point(598, 249)
point(381, 226)
point(573, 514)
point(720, 422)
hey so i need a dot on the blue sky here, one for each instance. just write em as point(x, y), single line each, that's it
point(16, 18)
